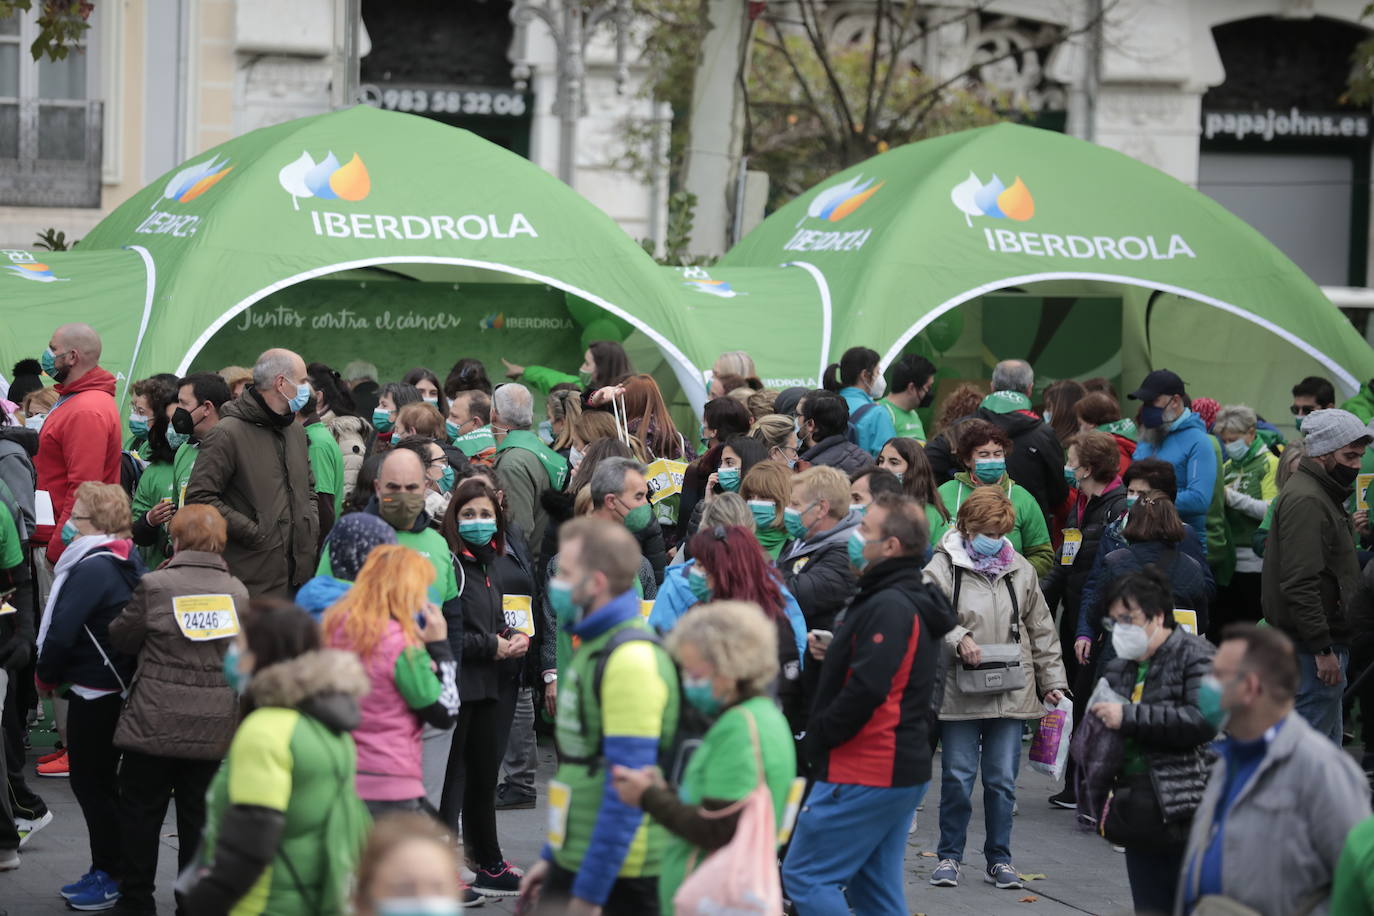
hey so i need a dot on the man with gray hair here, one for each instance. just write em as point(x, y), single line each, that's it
point(525, 463)
point(254, 467)
point(1311, 571)
point(620, 493)
point(1036, 461)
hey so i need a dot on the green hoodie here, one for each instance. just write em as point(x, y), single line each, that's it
point(1029, 536)
point(1362, 404)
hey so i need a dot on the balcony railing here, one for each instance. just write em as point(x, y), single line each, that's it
point(50, 152)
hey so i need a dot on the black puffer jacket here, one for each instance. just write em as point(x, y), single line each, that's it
point(837, 452)
point(1166, 722)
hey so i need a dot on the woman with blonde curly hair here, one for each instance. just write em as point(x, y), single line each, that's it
point(388, 620)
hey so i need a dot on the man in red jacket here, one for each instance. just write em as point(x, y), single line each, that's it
point(80, 436)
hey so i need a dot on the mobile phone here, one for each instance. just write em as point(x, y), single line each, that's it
point(420, 619)
point(823, 637)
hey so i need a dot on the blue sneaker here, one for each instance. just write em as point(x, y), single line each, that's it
point(1003, 876)
point(79, 885)
point(101, 894)
point(946, 874)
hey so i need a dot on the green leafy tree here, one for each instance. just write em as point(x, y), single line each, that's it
point(61, 24)
point(1361, 84)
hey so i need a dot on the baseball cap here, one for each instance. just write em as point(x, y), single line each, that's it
point(1160, 381)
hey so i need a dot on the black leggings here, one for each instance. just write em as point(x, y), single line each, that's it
point(146, 785)
point(94, 766)
point(474, 766)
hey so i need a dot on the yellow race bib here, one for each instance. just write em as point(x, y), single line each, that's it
point(1073, 542)
point(519, 613)
point(202, 618)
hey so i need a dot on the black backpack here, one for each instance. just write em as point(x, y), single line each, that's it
point(674, 755)
point(852, 432)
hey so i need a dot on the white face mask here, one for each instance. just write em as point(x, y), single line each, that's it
point(879, 386)
point(34, 422)
point(1130, 641)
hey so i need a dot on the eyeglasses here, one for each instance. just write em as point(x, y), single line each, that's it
point(1302, 410)
point(1111, 623)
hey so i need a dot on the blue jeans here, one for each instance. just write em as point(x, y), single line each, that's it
point(997, 744)
point(1319, 704)
point(851, 837)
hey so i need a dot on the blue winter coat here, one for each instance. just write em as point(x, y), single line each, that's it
point(1188, 448)
point(675, 598)
point(875, 427)
point(1191, 581)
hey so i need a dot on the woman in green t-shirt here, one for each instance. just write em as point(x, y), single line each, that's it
point(729, 658)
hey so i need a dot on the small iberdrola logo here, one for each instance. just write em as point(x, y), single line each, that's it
point(493, 322)
point(834, 204)
point(993, 199)
point(195, 180)
point(720, 288)
point(39, 273)
point(326, 179)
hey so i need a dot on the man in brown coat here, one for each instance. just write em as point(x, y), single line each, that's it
point(254, 468)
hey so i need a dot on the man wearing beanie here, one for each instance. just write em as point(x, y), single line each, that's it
point(1310, 569)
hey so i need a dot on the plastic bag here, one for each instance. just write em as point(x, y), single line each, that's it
point(1049, 752)
point(1099, 752)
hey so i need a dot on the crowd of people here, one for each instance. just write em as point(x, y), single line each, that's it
point(329, 615)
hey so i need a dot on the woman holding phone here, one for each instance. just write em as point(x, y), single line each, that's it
point(497, 628)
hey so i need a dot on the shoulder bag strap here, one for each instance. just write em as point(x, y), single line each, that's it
point(958, 581)
point(1015, 610)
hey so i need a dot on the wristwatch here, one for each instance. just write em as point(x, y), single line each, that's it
point(550, 677)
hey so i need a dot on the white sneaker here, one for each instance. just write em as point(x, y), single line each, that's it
point(27, 828)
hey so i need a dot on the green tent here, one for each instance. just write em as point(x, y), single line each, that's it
point(356, 189)
point(914, 234)
point(109, 290)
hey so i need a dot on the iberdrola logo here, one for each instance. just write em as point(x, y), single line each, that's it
point(720, 288)
point(195, 180)
point(39, 273)
point(493, 322)
point(326, 179)
point(993, 199)
point(834, 204)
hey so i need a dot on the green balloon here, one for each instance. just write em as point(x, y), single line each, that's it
point(945, 331)
point(603, 328)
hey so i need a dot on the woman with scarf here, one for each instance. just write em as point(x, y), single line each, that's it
point(94, 580)
point(767, 488)
point(996, 595)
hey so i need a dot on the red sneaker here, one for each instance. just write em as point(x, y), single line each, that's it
point(49, 758)
point(56, 768)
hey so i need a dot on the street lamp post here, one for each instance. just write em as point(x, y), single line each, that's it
point(571, 23)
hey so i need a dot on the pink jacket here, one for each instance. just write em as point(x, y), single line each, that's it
point(388, 737)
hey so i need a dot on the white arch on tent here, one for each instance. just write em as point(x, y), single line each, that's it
point(823, 287)
point(151, 270)
point(688, 376)
point(895, 350)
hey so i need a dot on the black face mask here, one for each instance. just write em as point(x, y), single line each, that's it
point(929, 397)
point(1345, 476)
point(182, 421)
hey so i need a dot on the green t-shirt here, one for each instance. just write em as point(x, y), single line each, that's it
point(724, 768)
point(429, 544)
point(11, 546)
point(907, 422)
point(154, 486)
point(182, 466)
point(326, 462)
point(1352, 891)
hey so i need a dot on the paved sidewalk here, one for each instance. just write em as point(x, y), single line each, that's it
point(1082, 874)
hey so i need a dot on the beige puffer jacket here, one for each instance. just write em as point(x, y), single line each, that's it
point(984, 611)
point(351, 433)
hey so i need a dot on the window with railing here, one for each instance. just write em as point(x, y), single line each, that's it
point(50, 127)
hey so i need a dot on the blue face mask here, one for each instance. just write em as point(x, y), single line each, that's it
point(446, 479)
point(1236, 450)
point(448, 428)
point(565, 608)
point(303, 392)
point(987, 546)
point(855, 547)
point(696, 583)
point(175, 439)
point(477, 531)
point(1151, 417)
point(796, 528)
point(48, 361)
point(236, 679)
point(381, 420)
point(69, 533)
point(765, 512)
point(699, 693)
point(728, 478)
point(546, 432)
point(989, 470)
point(138, 425)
